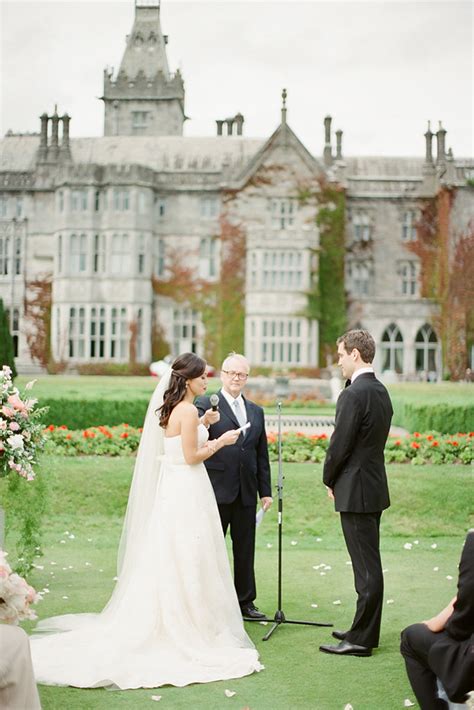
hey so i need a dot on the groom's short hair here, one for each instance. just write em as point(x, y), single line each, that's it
point(362, 341)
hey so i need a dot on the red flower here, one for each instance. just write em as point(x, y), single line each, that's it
point(416, 433)
point(435, 443)
point(124, 435)
point(430, 437)
point(63, 426)
point(68, 436)
point(414, 445)
point(126, 426)
point(398, 442)
point(51, 427)
point(323, 436)
point(453, 443)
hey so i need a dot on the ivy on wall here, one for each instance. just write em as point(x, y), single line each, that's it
point(38, 301)
point(220, 303)
point(327, 298)
point(447, 277)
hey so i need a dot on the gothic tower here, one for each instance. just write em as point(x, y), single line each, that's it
point(144, 98)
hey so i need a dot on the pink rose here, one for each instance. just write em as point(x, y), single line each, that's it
point(14, 426)
point(15, 402)
point(7, 412)
point(3, 425)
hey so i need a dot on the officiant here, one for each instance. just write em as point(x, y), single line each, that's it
point(239, 474)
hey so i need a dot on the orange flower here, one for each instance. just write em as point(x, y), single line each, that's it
point(417, 434)
point(68, 436)
point(435, 443)
point(126, 426)
point(63, 426)
point(398, 442)
point(124, 435)
point(430, 437)
point(453, 443)
point(323, 436)
point(51, 427)
point(414, 445)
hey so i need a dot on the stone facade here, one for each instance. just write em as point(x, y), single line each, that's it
point(100, 217)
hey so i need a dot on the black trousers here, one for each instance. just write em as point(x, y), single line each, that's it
point(241, 519)
point(416, 642)
point(361, 533)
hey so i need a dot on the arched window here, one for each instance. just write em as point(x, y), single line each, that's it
point(426, 347)
point(392, 349)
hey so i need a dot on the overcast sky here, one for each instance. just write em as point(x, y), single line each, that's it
point(381, 69)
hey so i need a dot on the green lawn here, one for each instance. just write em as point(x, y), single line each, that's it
point(429, 505)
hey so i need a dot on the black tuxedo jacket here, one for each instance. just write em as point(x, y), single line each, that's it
point(452, 657)
point(244, 466)
point(354, 466)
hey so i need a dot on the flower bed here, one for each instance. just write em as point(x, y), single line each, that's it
point(296, 447)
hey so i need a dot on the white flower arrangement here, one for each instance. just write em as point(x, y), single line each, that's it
point(16, 595)
point(21, 431)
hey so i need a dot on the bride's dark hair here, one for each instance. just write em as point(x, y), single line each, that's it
point(185, 367)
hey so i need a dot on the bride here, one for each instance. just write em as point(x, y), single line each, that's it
point(173, 617)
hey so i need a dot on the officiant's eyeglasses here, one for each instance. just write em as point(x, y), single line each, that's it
point(233, 373)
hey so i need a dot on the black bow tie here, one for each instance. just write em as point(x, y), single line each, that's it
point(348, 383)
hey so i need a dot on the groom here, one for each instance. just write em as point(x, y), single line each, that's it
point(354, 474)
point(239, 473)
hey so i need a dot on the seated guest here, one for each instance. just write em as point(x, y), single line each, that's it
point(443, 647)
point(17, 682)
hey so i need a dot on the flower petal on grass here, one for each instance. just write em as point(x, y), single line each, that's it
point(337, 601)
point(449, 576)
point(348, 707)
point(229, 693)
point(435, 569)
point(319, 539)
point(294, 542)
point(389, 601)
point(156, 697)
point(408, 703)
point(269, 545)
point(434, 546)
point(314, 606)
point(408, 546)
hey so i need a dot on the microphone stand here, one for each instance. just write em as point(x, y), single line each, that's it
point(280, 617)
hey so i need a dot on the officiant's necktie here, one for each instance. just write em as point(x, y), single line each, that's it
point(239, 413)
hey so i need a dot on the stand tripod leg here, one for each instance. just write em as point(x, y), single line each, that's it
point(269, 633)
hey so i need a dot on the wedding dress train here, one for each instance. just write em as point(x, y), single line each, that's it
point(174, 617)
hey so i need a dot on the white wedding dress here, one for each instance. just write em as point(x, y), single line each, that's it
point(173, 617)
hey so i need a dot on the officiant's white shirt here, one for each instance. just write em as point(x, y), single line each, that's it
point(230, 401)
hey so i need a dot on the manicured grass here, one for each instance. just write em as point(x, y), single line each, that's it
point(429, 504)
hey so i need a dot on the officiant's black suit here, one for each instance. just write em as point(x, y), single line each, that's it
point(238, 474)
point(354, 468)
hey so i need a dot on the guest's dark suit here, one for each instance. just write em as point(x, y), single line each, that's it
point(238, 474)
point(449, 654)
point(354, 468)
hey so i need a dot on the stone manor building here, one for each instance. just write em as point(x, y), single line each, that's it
point(100, 218)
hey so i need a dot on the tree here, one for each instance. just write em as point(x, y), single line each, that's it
point(6, 342)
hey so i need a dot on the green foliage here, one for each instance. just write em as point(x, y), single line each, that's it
point(6, 342)
point(327, 300)
point(443, 417)
point(80, 413)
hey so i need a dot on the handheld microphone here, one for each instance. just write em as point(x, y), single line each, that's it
point(214, 400)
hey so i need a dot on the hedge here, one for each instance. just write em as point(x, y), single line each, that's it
point(86, 412)
point(442, 417)
point(83, 413)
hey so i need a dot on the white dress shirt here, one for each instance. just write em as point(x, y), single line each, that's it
point(230, 400)
point(361, 371)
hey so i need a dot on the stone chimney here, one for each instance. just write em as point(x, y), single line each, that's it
point(339, 144)
point(237, 120)
point(429, 145)
point(327, 155)
point(441, 140)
